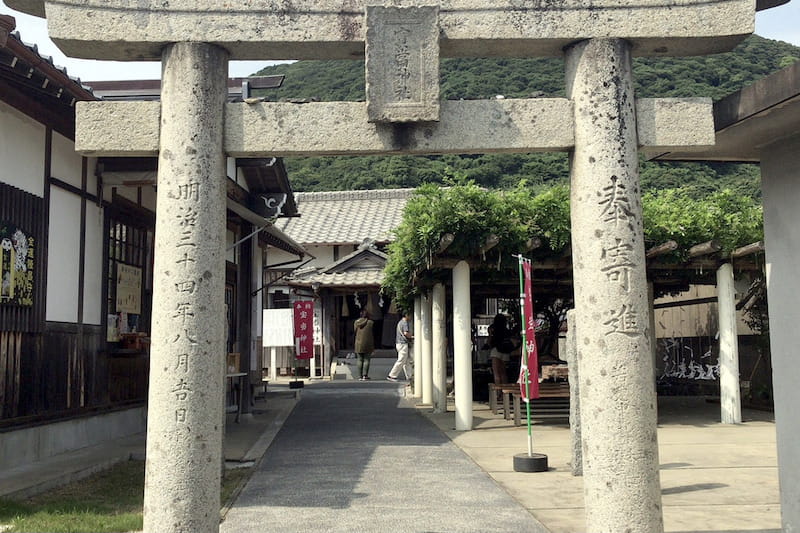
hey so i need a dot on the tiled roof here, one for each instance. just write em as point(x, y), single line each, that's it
point(353, 278)
point(363, 267)
point(346, 217)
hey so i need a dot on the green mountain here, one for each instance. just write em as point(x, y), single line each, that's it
point(467, 78)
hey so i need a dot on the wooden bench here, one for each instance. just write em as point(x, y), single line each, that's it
point(553, 402)
point(504, 389)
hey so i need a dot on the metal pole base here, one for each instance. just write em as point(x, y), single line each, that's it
point(536, 462)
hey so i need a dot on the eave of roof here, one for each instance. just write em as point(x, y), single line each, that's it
point(34, 84)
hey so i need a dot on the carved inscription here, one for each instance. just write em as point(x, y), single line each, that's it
point(618, 263)
point(402, 63)
point(615, 203)
point(402, 60)
point(186, 196)
point(624, 321)
point(617, 260)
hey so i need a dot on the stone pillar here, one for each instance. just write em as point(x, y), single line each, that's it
point(780, 171)
point(439, 342)
point(617, 393)
point(729, 393)
point(417, 347)
point(187, 360)
point(573, 360)
point(462, 346)
point(426, 350)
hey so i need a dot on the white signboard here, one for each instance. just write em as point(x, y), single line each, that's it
point(129, 289)
point(317, 324)
point(278, 327)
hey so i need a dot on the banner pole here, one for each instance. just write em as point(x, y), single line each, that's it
point(525, 373)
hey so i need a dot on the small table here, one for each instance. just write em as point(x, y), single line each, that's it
point(237, 385)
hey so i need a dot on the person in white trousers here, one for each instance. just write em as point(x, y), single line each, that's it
point(402, 341)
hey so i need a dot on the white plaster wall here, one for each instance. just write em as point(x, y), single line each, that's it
point(66, 163)
point(21, 151)
point(780, 184)
point(63, 256)
point(93, 266)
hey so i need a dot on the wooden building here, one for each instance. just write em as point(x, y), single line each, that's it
point(77, 239)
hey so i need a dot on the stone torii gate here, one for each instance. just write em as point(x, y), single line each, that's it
point(192, 129)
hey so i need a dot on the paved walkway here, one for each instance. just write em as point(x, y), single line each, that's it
point(358, 457)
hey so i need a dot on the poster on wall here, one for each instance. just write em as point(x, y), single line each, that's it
point(16, 265)
point(129, 289)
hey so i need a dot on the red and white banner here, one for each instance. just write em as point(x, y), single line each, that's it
point(304, 329)
point(530, 356)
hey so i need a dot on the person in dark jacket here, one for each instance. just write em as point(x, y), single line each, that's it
point(501, 344)
point(365, 344)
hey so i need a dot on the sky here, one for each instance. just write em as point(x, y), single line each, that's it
point(780, 23)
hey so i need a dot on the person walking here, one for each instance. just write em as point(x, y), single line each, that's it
point(365, 344)
point(402, 341)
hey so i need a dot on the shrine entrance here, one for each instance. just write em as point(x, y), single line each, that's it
point(600, 123)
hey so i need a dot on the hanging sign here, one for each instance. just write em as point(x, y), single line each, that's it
point(529, 369)
point(16, 265)
point(129, 289)
point(304, 329)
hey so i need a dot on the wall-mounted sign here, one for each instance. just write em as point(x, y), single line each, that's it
point(16, 265)
point(129, 289)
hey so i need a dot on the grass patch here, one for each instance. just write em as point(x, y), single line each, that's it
point(107, 502)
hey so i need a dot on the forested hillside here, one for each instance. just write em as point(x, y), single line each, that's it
point(714, 76)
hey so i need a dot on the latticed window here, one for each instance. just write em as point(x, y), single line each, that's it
point(129, 246)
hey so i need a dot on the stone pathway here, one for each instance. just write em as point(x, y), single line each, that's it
point(357, 457)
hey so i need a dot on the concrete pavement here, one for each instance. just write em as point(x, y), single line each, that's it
point(714, 477)
point(357, 456)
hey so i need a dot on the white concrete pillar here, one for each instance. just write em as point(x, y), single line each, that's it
point(729, 392)
point(273, 363)
point(617, 393)
point(439, 343)
point(417, 347)
point(427, 350)
point(462, 346)
point(187, 359)
point(780, 174)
